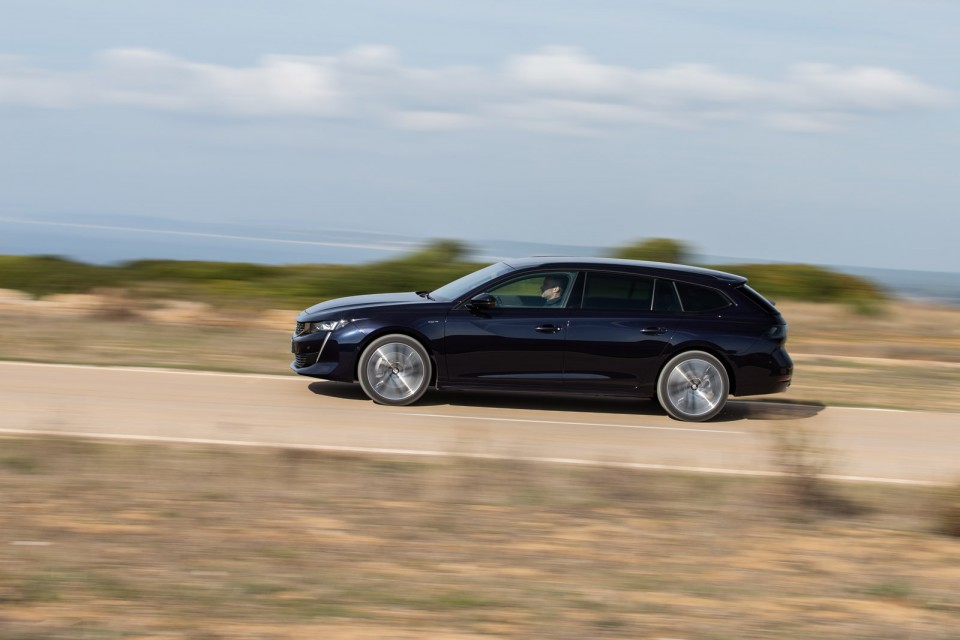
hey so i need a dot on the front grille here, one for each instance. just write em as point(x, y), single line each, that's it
point(305, 360)
point(300, 327)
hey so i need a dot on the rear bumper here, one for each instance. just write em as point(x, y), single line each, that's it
point(764, 374)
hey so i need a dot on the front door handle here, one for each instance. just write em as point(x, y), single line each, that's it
point(548, 328)
point(654, 331)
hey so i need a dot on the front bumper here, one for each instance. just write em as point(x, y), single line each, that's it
point(323, 355)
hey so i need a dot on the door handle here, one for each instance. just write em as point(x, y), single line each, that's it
point(548, 328)
point(654, 331)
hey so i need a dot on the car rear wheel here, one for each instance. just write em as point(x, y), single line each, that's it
point(394, 370)
point(693, 386)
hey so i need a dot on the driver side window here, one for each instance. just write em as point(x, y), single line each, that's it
point(543, 290)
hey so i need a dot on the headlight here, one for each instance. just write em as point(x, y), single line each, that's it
point(331, 325)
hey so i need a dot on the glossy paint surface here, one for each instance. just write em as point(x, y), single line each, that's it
point(581, 346)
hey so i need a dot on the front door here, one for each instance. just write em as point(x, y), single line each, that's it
point(518, 344)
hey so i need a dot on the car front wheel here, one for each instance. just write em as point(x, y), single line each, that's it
point(693, 386)
point(394, 370)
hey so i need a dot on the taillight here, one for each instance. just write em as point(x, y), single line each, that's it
point(777, 332)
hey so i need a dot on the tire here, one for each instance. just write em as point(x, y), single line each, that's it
point(693, 386)
point(394, 370)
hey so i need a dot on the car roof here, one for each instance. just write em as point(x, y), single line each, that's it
point(640, 266)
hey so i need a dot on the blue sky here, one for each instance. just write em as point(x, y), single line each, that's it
point(815, 132)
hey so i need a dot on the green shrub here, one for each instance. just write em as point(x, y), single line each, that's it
point(195, 271)
point(774, 281)
point(236, 284)
point(45, 275)
point(655, 250)
point(810, 283)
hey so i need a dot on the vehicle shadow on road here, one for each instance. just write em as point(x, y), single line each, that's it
point(768, 410)
point(735, 410)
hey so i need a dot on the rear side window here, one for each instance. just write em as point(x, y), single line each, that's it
point(695, 298)
point(665, 298)
point(617, 292)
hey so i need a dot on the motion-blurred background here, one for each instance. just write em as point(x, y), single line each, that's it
point(178, 179)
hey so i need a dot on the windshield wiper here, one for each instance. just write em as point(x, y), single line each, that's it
point(424, 294)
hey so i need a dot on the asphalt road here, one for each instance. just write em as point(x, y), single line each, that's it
point(254, 410)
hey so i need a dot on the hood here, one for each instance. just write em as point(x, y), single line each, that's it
point(362, 302)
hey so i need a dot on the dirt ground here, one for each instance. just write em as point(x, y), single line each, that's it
point(148, 542)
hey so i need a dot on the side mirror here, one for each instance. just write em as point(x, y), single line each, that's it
point(482, 302)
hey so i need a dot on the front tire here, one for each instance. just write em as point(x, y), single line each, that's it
point(693, 386)
point(394, 370)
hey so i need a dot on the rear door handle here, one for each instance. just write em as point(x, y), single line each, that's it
point(548, 328)
point(654, 331)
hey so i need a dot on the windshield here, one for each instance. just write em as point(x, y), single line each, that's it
point(460, 287)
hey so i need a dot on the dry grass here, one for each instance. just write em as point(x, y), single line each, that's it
point(131, 541)
point(907, 357)
point(901, 331)
point(89, 339)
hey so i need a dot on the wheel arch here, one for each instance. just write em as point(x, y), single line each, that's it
point(706, 348)
point(401, 331)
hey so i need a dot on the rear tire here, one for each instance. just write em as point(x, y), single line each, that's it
point(693, 386)
point(394, 370)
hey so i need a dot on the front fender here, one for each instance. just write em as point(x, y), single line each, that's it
point(427, 332)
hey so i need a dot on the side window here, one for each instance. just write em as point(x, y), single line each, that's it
point(617, 292)
point(547, 290)
point(698, 299)
point(665, 299)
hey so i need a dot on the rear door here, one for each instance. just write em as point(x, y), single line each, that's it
point(615, 340)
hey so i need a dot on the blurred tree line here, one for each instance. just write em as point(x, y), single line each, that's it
point(246, 285)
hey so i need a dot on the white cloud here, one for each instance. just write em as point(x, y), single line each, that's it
point(565, 71)
point(276, 86)
point(555, 89)
point(859, 89)
point(690, 84)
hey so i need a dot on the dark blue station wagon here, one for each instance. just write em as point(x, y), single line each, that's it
point(687, 336)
